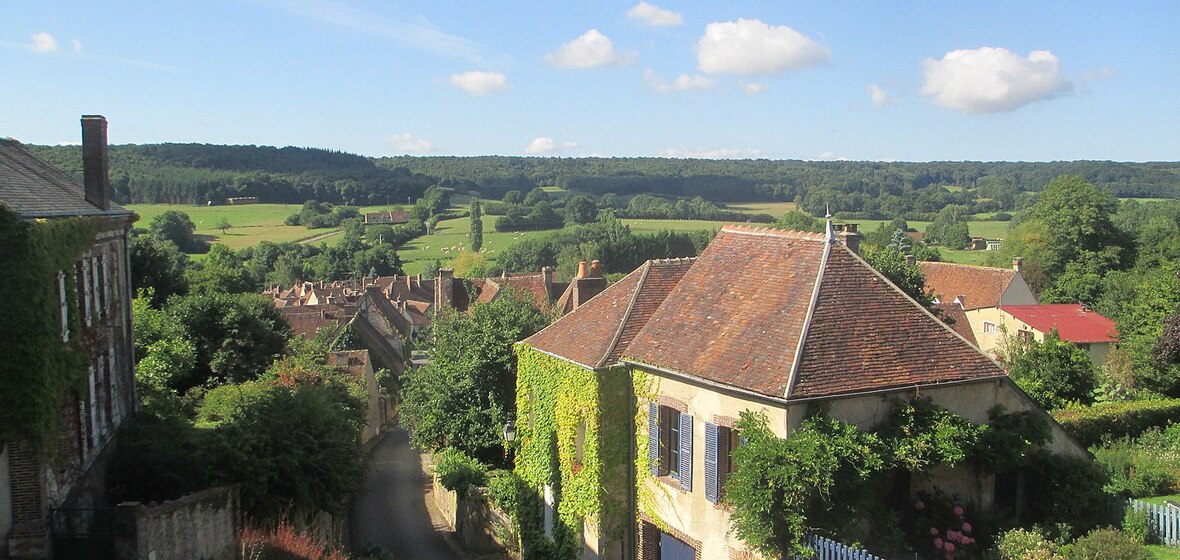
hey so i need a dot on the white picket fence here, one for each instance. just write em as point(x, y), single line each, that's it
point(828, 549)
point(1166, 520)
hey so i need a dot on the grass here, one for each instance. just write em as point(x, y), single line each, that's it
point(652, 226)
point(1164, 552)
point(775, 209)
point(1161, 499)
point(450, 238)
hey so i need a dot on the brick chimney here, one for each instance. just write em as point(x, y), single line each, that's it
point(595, 269)
point(96, 178)
point(850, 238)
point(547, 274)
point(1017, 262)
point(911, 260)
point(444, 289)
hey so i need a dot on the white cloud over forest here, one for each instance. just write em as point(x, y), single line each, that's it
point(748, 47)
point(993, 80)
point(591, 50)
point(546, 145)
point(654, 16)
point(407, 143)
point(478, 83)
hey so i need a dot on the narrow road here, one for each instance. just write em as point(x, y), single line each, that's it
point(392, 511)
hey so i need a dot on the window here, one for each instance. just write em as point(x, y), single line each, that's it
point(64, 304)
point(720, 443)
point(1024, 336)
point(989, 327)
point(669, 444)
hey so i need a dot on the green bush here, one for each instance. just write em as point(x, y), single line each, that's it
point(1137, 525)
point(1066, 490)
point(1025, 544)
point(507, 490)
point(1110, 421)
point(458, 471)
point(1133, 474)
point(1106, 544)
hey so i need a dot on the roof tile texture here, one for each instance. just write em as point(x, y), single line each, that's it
point(979, 286)
point(1073, 322)
point(31, 187)
point(586, 334)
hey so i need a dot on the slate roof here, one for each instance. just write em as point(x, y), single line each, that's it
point(1074, 322)
point(788, 315)
point(976, 286)
point(595, 333)
point(35, 189)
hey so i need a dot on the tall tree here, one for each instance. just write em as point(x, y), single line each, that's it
point(476, 225)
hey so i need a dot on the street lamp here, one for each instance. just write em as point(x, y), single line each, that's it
point(510, 432)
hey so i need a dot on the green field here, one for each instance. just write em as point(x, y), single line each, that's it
point(450, 238)
point(775, 209)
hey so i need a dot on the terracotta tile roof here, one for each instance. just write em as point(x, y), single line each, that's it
point(866, 335)
point(737, 316)
point(595, 333)
point(958, 321)
point(976, 286)
point(307, 319)
point(1074, 322)
point(33, 188)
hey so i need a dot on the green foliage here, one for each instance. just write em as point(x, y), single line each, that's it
point(1062, 489)
point(1141, 322)
point(782, 479)
point(177, 227)
point(159, 265)
point(162, 458)
point(1108, 421)
point(1133, 474)
point(315, 215)
point(950, 227)
point(1055, 373)
point(465, 394)
point(1139, 527)
point(922, 435)
point(458, 471)
point(1106, 544)
point(237, 336)
point(476, 226)
point(1026, 544)
point(580, 209)
point(892, 264)
point(800, 221)
point(1009, 439)
point(165, 355)
point(39, 370)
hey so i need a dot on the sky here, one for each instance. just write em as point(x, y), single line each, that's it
point(870, 80)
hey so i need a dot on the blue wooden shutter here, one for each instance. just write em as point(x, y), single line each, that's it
point(711, 462)
point(685, 472)
point(653, 437)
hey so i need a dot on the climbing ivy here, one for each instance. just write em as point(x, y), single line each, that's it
point(39, 370)
point(557, 400)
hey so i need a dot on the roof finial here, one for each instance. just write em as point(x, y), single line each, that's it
point(829, 232)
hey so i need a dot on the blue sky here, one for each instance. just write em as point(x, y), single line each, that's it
point(908, 81)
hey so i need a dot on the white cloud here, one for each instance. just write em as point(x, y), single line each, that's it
point(992, 80)
point(406, 143)
point(683, 82)
point(754, 88)
point(1104, 73)
point(711, 153)
point(654, 16)
point(591, 50)
point(43, 43)
point(829, 155)
point(77, 46)
point(480, 83)
point(749, 47)
point(546, 145)
point(880, 97)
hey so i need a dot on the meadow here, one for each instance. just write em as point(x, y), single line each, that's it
point(253, 223)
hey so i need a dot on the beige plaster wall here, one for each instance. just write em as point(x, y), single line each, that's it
point(690, 512)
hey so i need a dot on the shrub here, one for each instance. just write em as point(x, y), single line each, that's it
point(1106, 544)
point(1109, 421)
point(458, 471)
point(1133, 473)
point(1066, 490)
point(1137, 526)
point(284, 543)
point(1025, 544)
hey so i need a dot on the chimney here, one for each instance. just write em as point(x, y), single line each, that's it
point(850, 238)
point(547, 274)
point(910, 260)
point(583, 270)
point(1017, 262)
point(595, 269)
point(96, 176)
point(444, 289)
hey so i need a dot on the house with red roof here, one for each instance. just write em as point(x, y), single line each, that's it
point(667, 358)
point(1076, 323)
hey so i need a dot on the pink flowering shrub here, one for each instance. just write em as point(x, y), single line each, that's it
point(941, 528)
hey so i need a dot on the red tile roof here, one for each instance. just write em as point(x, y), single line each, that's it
point(976, 286)
point(1074, 322)
point(954, 316)
point(595, 333)
point(305, 320)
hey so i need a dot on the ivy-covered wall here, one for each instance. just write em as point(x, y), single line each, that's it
point(38, 369)
point(559, 404)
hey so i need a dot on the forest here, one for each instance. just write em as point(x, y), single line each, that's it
point(199, 173)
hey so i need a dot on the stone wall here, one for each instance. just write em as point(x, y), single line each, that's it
point(202, 525)
point(479, 526)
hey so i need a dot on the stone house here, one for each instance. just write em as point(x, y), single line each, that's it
point(980, 291)
point(97, 287)
point(668, 357)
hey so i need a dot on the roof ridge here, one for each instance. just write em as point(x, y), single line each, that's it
point(793, 376)
point(773, 232)
point(610, 349)
point(672, 260)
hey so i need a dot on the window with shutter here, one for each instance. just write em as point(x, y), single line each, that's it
point(653, 437)
point(685, 455)
point(711, 479)
point(64, 303)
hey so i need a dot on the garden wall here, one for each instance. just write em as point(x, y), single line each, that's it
point(479, 526)
point(202, 525)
